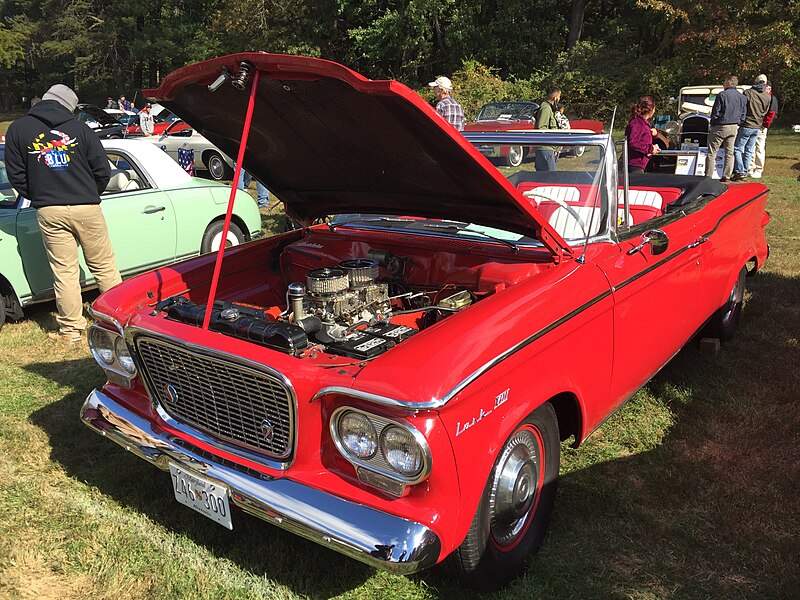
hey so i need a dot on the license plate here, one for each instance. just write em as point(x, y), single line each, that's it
point(204, 496)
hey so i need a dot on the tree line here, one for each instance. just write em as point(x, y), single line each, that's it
point(602, 54)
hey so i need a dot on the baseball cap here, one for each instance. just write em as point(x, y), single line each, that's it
point(442, 82)
point(63, 94)
point(761, 78)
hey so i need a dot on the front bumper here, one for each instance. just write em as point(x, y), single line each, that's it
point(381, 540)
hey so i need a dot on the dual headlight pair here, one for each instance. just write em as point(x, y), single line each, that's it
point(385, 448)
point(111, 352)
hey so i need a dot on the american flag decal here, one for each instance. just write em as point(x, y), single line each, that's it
point(186, 160)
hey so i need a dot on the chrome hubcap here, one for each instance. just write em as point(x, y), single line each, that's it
point(515, 487)
point(515, 155)
point(215, 167)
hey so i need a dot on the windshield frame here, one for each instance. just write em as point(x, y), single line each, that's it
point(605, 176)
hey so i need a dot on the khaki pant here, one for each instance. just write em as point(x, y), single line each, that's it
point(63, 228)
point(725, 136)
point(760, 155)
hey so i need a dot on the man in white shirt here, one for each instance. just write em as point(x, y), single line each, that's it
point(146, 121)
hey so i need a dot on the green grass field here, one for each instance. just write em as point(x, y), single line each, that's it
point(690, 491)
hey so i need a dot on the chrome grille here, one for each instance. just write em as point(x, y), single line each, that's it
point(231, 401)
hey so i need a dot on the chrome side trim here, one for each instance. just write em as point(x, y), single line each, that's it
point(376, 398)
point(376, 538)
point(439, 402)
point(519, 346)
point(131, 332)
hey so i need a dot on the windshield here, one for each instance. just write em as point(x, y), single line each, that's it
point(572, 198)
point(508, 111)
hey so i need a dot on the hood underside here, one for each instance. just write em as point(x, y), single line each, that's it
point(327, 140)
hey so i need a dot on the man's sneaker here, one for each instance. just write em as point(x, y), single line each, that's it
point(738, 177)
point(723, 179)
point(67, 339)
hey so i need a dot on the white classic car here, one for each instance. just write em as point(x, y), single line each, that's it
point(207, 157)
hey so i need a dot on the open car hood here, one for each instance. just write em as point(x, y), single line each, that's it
point(327, 140)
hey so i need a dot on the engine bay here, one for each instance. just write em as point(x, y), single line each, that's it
point(350, 294)
point(347, 309)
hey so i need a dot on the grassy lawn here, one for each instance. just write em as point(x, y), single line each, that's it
point(690, 491)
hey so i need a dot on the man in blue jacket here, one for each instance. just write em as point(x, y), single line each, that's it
point(728, 112)
point(59, 164)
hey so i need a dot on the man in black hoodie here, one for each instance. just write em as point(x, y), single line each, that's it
point(59, 164)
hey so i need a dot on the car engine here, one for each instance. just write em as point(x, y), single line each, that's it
point(343, 309)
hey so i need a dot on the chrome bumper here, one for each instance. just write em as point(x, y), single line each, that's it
point(381, 540)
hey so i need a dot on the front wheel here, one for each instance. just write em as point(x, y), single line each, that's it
point(218, 169)
point(515, 509)
point(212, 237)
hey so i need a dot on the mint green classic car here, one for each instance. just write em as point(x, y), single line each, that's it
point(156, 213)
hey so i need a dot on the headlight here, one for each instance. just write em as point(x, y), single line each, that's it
point(101, 345)
point(402, 451)
point(123, 356)
point(358, 435)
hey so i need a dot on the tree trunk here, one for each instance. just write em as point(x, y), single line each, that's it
point(577, 11)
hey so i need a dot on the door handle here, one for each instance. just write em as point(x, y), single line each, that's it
point(153, 209)
point(697, 242)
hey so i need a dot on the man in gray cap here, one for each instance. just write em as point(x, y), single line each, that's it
point(59, 164)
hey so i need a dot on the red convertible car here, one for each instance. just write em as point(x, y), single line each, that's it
point(519, 116)
point(393, 379)
point(160, 126)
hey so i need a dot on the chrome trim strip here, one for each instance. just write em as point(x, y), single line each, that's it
point(131, 332)
point(369, 463)
point(376, 398)
point(439, 402)
point(520, 345)
point(687, 247)
point(376, 538)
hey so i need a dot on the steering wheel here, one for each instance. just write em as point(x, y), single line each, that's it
point(570, 210)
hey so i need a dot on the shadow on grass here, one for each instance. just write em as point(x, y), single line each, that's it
point(710, 511)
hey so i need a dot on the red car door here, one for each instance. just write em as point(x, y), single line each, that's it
point(659, 299)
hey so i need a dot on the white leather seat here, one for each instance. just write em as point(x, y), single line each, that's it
point(567, 226)
point(558, 192)
point(642, 198)
point(118, 182)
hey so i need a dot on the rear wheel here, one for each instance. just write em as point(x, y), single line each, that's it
point(212, 237)
point(515, 509)
point(725, 321)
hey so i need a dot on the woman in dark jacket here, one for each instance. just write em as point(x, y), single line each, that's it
point(640, 135)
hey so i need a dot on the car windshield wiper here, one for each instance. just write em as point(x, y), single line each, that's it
point(454, 227)
point(333, 226)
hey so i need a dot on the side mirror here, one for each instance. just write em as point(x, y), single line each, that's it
point(657, 240)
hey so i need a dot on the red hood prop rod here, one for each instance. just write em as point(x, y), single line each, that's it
point(221, 252)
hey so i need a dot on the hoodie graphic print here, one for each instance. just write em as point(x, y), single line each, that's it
point(55, 153)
